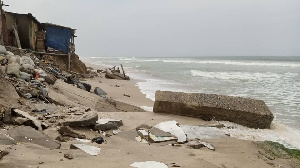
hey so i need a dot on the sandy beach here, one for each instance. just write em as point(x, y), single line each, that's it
point(121, 149)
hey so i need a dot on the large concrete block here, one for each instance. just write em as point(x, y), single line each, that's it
point(244, 111)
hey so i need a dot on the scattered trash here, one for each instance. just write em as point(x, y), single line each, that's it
point(92, 150)
point(149, 164)
point(141, 140)
point(126, 95)
point(98, 140)
point(83, 140)
point(209, 146)
point(69, 156)
point(115, 132)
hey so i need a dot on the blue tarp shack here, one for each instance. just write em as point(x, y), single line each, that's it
point(59, 37)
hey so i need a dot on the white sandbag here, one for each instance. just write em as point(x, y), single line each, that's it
point(27, 66)
point(10, 53)
point(25, 76)
point(13, 69)
point(3, 50)
point(11, 59)
point(2, 69)
point(27, 60)
point(2, 58)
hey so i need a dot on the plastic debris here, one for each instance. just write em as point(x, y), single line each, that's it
point(149, 164)
point(173, 128)
point(92, 150)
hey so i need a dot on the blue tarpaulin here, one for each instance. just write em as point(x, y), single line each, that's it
point(58, 38)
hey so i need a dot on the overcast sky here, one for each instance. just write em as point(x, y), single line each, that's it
point(174, 27)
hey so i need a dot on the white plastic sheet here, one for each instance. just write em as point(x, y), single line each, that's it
point(173, 128)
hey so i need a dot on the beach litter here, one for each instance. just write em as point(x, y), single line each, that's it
point(149, 164)
point(98, 140)
point(92, 150)
point(173, 128)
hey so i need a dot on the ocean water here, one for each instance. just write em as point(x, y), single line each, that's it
point(276, 80)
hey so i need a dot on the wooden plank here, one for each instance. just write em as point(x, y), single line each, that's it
point(17, 37)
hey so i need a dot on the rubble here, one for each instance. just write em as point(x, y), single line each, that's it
point(3, 153)
point(30, 135)
point(107, 124)
point(173, 128)
point(112, 73)
point(245, 111)
point(87, 119)
point(69, 156)
point(37, 124)
point(67, 131)
point(199, 132)
point(92, 150)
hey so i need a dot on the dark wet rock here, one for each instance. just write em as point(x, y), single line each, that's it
point(245, 111)
point(87, 86)
point(99, 91)
point(81, 86)
point(68, 156)
point(98, 140)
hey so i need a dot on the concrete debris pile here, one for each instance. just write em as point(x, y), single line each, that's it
point(30, 114)
point(244, 111)
point(113, 73)
point(178, 135)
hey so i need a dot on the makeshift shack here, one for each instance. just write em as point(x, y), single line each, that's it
point(22, 30)
point(59, 37)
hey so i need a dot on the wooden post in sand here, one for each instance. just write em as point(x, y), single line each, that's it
point(123, 71)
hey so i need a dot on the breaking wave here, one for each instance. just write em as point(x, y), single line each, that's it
point(287, 136)
point(241, 75)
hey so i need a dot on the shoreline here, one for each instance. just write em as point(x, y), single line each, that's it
point(116, 89)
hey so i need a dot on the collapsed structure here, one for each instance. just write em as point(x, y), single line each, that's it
point(25, 31)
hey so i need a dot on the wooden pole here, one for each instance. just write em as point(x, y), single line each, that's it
point(123, 71)
point(1, 25)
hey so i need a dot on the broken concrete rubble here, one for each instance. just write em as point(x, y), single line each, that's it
point(37, 124)
point(248, 112)
point(87, 119)
point(30, 135)
point(108, 124)
point(173, 128)
point(198, 132)
point(92, 150)
point(67, 131)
